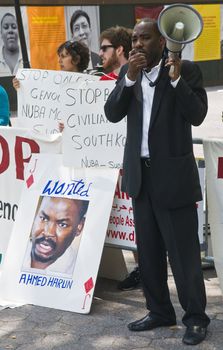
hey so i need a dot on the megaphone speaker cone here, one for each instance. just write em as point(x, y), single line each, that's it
point(180, 24)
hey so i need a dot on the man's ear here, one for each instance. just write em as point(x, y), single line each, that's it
point(119, 50)
point(80, 227)
point(162, 41)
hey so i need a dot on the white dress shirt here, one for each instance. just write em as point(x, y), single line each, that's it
point(63, 266)
point(148, 94)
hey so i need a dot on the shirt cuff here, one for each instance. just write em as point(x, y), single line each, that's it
point(129, 82)
point(175, 82)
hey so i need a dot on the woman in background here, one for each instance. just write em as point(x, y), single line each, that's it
point(72, 57)
point(10, 55)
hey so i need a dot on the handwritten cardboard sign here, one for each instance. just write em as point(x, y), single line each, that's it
point(40, 97)
point(89, 139)
point(46, 98)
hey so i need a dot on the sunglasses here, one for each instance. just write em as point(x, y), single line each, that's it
point(105, 47)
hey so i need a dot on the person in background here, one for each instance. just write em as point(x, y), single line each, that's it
point(10, 54)
point(115, 44)
point(161, 176)
point(73, 56)
point(80, 26)
point(4, 107)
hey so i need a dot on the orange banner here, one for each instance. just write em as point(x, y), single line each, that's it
point(207, 46)
point(46, 33)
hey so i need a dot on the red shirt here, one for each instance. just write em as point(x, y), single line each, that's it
point(109, 76)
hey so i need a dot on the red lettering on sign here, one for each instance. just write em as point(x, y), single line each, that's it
point(19, 156)
point(220, 168)
point(5, 155)
point(119, 194)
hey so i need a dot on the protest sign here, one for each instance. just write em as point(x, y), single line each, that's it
point(46, 98)
point(49, 217)
point(89, 139)
point(40, 98)
point(121, 227)
point(213, 154)
point(16, 148)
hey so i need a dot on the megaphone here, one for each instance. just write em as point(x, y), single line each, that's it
point(180, 24)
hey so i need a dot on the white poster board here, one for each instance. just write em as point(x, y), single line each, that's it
point(16, 148)
point(46, 98)
point(121, 226)
point(58, 288)
point(89, 139)
point(213, 153)
point(40, 97)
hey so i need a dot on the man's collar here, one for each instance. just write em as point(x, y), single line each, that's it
point(153, 69)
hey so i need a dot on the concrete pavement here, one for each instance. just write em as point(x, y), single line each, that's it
point(37, 328)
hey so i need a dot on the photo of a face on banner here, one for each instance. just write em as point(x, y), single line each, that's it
point(58, 237)
point(55, 235)
point(10, 53)
point(83, 25)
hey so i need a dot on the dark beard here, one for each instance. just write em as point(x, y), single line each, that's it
point(112, 64)
point(39, 258)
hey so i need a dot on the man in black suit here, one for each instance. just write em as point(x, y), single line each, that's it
point(161, 176)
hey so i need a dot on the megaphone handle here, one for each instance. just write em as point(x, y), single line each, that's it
point(172, 55)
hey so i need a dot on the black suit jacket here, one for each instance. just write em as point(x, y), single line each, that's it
point(174, 173)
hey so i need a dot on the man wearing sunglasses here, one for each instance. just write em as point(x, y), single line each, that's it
point(115, 44)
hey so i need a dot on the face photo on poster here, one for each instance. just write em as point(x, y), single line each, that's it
point(83, 24)
point(54, 182)
point(10, 51)
point(55, 235)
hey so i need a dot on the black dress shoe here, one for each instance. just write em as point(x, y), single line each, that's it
point(147, 323)
point(194, 335)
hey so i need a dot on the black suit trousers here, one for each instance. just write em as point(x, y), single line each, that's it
point(174, 233)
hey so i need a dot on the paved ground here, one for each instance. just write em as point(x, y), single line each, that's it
point(37, 328)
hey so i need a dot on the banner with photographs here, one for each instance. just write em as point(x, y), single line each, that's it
point(46, 28)
point(60, 230)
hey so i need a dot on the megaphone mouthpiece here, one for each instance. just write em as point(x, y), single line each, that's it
point(178, 31)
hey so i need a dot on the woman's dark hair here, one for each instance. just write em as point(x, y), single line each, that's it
point(76, 15)
point(75, 48)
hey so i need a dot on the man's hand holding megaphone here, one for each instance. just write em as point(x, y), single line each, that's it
point(179, 24)
point(174, 62)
